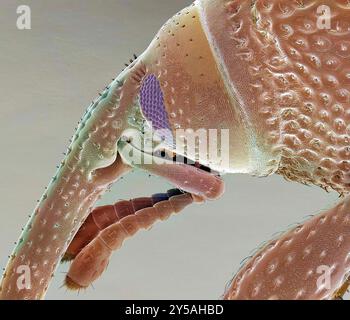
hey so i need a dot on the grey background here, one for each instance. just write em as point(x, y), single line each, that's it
point(48, 76)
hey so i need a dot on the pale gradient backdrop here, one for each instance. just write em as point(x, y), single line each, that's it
point(48, 77)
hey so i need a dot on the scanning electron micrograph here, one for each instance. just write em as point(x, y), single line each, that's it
point(214, 164)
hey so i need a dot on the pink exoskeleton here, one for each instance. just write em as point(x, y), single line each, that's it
point(257, 87)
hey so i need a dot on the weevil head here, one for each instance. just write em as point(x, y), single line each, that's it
point(185, 97)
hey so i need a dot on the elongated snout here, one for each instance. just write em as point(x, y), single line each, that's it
point(91, 165)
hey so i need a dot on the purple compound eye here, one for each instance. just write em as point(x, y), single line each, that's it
point(153, 108)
